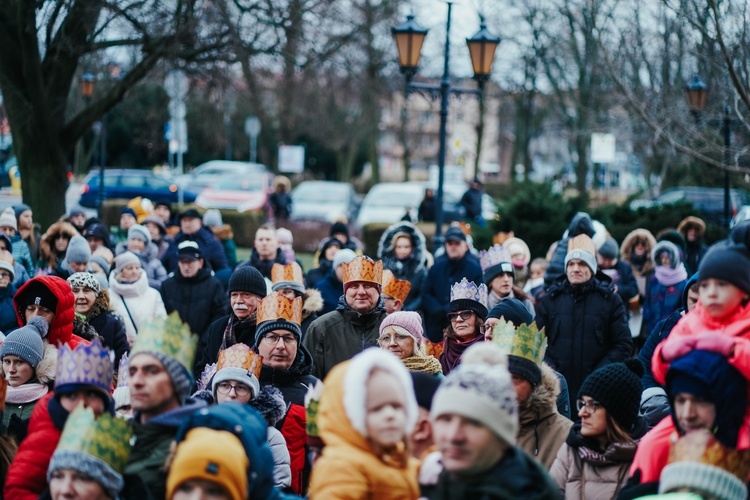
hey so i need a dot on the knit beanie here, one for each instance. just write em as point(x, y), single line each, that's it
point(582, 248)
point(157, 221)
point(729, 260)
point(277, 324)
point(617, 387)
point(20, 208)
point(26, 342)
point(101, 262)
point(408, 320)
point(35, 293)
point(214, 456)
point(97, 230)
point(128, 210)
point(673, 237)
point(480, 388)
point(85, 280)
point(181, 377)
point(8, 267)
point(609, 249)
point(339, 228)
point(124, 260)
point(238, 375)
point(8, 218)
point(425, 387)
point(343, 255)
point(212, 217)
point(140, 232)
point(247, 279)
point(78, 250)
point(512, 310)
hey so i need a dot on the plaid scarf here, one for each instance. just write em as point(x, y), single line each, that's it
point(234, 322)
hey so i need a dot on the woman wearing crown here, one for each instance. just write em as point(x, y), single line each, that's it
point(466, 313)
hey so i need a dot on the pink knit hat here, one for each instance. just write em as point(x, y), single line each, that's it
point(408, 320)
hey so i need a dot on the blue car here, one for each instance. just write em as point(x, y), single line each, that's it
point(129, 183)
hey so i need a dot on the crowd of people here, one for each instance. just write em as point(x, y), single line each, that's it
point(144, 362)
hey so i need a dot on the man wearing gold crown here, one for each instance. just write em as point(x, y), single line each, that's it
point(584, 318)
point(355, 324)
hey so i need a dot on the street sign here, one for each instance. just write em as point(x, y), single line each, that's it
point(603, 148)
point(252, 126)
point(176, 84)
point(292, 159)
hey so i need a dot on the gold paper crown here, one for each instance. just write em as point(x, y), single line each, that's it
point(123, 373)
point(525, 342)
point(170, 337)
point(702, 447)
point(240, 356)
point(277, 306)
point(363, 269)
point(204, 382)
point(312, 405)
point(582, 242)
point(396, 288)
point(85, 364)
point(106, 438)
point(290, 272)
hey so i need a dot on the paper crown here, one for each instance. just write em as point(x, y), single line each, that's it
point(526, 342)
point(106, 438)
point(277, 306)
point(240, 356)
point(312, 405)
point(123, 371)
point(86, 364)
point(702, 447)
point(169, 337)
point(290, 272)
point(466, 289)
point(396, 288)
point(582, 242)
point(496, 255)
point(363, 269)
point(204, 382)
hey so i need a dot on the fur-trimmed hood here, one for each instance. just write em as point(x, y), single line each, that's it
point(270, 403)
point(626, 249)
point(313, 302)
point(403, 269)
point(47, 254)
point(223, 232)
point(543, 399)
point(47, 367)
point(691, 222)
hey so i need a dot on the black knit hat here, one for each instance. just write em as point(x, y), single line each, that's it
point(617, 387)
point(277, 324)
point(425, 387)
point(37, 294)
point(729, 260)
point(609, 248)
point(247, 279)
point(339, 228)
point(468, 305)
point(512, 310)
point(525, 368)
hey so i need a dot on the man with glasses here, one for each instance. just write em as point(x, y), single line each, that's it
point(456, 263)
point(288, 366)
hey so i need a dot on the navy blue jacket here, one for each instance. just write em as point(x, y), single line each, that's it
point(213, 251)
point(8, 319)
point(331, 289)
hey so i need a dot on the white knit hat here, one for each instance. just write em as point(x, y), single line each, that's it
point(702, 478)
point(8, 218)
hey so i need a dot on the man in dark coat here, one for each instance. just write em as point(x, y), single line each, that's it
point(191, 229)
point(584, 318)
point(266, 251)
point(619, 272)
point(472, 200)
point(246, 287)
point(193, 291)
point(450, 268)
point(580, 224)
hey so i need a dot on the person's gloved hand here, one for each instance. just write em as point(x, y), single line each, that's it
point(676, 348)
point(716, 342)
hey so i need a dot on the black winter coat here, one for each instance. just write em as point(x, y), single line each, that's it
point(200, 300)
point(210, 342)
point(213, 250)
point(472, 202)
point(586, 327)
point(436, 290)
point(113, 335)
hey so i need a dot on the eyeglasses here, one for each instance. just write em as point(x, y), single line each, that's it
point(273, 339)
point(590, 406)
point(387, 339)
point(464, 315)
point(240, 389)
point(5, 275)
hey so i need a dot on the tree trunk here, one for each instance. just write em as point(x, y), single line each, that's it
point(581, 167)
point(480, 133)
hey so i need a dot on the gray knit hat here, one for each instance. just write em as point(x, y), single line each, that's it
point(125, 259)
point(181, 378)
point(102, 472)
point(26, 342)
point(78, 250)
point(212, 218)
point(140, 232)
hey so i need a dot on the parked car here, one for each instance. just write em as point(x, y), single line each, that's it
point(213, 171)
point(708, 202)
point(247, 193)
point(129, 183)
point(324, 201)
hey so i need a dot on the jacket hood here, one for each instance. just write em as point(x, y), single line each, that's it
point(61, 328)
point(135, 289)
point(270, 404)
point(419, 249)
point(629, 242)
point(313, 302)
point(341, 419)
point(47, 367)
point(671, 249)
point(581, 224)
point(47, 252)
point(691, 222)
point(543, 399)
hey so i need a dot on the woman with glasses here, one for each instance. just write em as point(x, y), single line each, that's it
point(466, 313)
point(401, 334)
point(596, 457)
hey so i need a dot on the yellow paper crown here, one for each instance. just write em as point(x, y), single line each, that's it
point(525, 342)
point(277, 306)
point(240, 356)
point(290, 272)
point(702, 447)
point(363, 269)
point(106, 438)
point(582, 242)
point(170, 337)
point(396, 288)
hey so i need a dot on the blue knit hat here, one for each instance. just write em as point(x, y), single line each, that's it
point(26, 342)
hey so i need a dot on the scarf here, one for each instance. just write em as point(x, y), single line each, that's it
point(423, 364)
point(453, 349)
point(234, 322)
point(26, 393)
point(668, 276)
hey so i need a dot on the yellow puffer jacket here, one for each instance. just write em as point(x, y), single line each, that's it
point(348, 467)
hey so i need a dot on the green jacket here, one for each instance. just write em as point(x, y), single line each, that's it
point(23, 410)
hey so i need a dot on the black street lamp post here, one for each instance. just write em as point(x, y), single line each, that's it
point(409, 37)
point(87, 83)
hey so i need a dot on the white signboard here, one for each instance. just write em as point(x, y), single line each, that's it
point(292, 159)
point(602, 148)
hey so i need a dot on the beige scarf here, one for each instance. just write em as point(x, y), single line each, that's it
point(424, 364)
